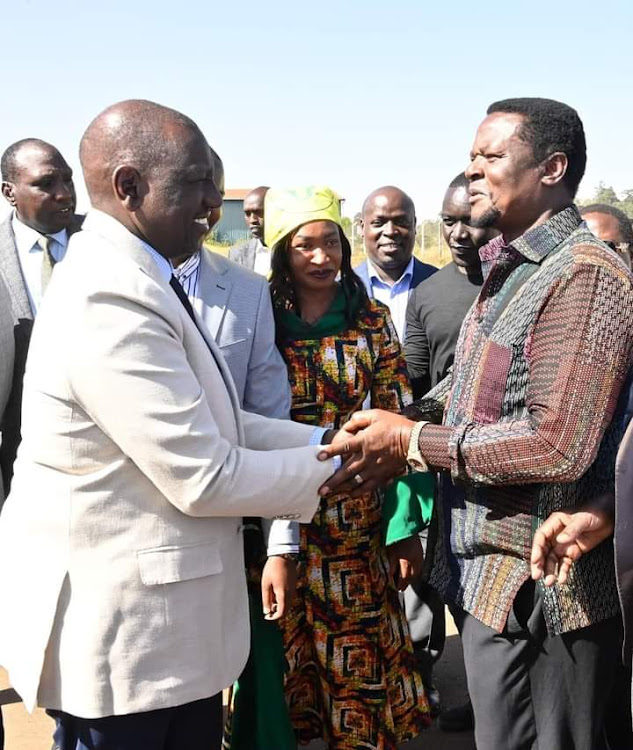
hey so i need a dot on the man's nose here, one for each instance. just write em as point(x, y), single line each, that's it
point(213, 197)
point(390, 229)
point(473, 170)
point(64, 190)
point(460, 230)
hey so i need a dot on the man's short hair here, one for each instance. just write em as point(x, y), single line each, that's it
point(9, 159)
point(624, 223)
point(461, 181)
point(550, 126)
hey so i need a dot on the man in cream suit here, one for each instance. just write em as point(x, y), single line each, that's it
point(121, 564)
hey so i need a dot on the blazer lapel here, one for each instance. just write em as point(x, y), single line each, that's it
point(213, 294)
point(123, 241)
point(12, 273)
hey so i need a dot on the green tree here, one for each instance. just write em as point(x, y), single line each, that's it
point(606, 194)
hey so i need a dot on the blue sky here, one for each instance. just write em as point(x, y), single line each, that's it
point(354, 93)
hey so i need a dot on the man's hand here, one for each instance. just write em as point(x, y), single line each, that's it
point(279, 582)
point(375, 444)
point(406, 559)
point(563, 538)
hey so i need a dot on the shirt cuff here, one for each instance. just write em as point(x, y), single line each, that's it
point(317, 437)
point(434, 445)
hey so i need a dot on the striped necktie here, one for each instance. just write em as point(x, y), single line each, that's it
point(48, 261)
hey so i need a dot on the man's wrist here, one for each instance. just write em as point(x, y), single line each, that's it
point(405, 438)
point(290, 556)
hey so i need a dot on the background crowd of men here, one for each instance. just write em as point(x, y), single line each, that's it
point(522, 346)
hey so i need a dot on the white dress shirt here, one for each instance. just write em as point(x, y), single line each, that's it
point(30, 257)
point(262, 259)
point(188, 274)
point(395, 296)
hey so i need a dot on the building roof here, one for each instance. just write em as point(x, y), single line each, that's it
point(236, 194)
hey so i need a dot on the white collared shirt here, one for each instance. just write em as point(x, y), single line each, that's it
point(262, 260)
point(30, 257)
point(395, 297)
point(188, 274)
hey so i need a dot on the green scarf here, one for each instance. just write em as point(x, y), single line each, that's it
point(290, 327)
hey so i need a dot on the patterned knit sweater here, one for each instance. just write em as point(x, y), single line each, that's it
point(531, 422)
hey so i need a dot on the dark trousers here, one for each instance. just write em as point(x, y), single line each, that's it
point(424, 610)
point(192, 726)
point(532, 691)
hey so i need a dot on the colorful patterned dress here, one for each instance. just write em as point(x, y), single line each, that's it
point(351, 676)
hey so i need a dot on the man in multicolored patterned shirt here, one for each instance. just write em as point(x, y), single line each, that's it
point(530, 425)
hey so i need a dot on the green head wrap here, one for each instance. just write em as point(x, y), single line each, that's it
point(287, 210)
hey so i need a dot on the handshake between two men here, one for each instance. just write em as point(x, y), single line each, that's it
point(375, 445)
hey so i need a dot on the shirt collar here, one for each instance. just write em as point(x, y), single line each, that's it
point(164, 266)
point(407, 273)
point(538, 242)
point(190, 265)
point(26, 237)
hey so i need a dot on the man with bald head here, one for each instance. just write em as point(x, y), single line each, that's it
point(37, 183)
point(391, 272)
point(121, 562)
point(254, 254)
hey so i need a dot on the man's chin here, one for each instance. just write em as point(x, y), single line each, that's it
point(486, 220)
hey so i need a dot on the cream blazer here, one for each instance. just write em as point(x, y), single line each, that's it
point(121, 561)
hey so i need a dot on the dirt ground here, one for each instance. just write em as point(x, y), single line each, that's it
point(34, 732)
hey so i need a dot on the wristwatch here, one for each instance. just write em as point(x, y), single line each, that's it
point(415, 459)
point(292, 556)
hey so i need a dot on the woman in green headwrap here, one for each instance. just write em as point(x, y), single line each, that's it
point(351, 678)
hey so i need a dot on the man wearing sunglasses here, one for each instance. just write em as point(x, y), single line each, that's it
point(612, 226)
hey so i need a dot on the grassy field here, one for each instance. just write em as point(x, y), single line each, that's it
point(433, 257)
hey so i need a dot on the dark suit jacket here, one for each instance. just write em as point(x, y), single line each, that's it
point(6, 356)
point(244, 254)
point(22, 326)
point(421, 271)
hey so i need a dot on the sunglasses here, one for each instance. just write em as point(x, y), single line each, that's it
point(618, 247)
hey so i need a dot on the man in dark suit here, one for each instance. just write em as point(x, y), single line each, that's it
point(253, 254)
point(37, 182)
point(390, 274)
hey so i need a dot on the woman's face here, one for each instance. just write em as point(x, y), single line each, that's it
point(315, 254)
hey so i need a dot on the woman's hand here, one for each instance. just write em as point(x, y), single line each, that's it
point(279, 583)
point(406, 559)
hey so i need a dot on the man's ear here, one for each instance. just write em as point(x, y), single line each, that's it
point(554, 168)
point(127, 185)
point(8, 192)
point(361, 227)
